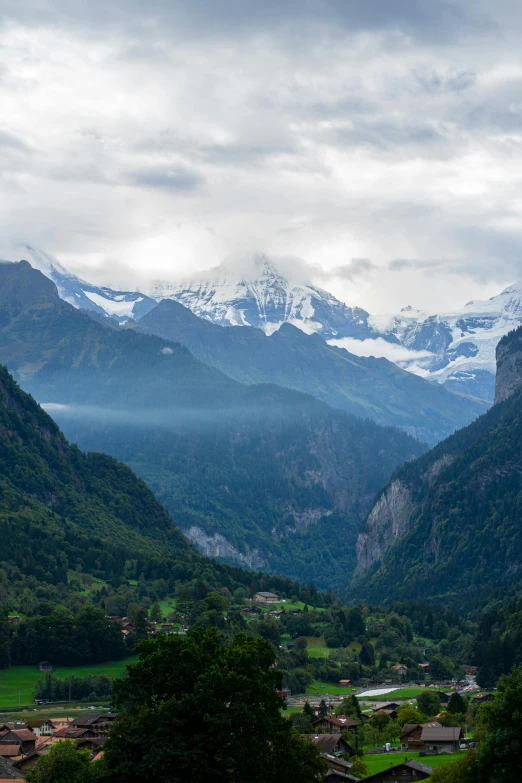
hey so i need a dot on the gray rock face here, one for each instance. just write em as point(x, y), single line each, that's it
point(509, 369)
point(387, 521)
point(218, 546)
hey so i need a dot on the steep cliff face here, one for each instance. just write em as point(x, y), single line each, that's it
point(387, 520)
point(509, 366)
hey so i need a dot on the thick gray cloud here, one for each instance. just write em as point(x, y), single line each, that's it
point(373, 146)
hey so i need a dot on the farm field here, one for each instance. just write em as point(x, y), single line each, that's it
point(380, 762)
point(317, 688)
point(17, 684)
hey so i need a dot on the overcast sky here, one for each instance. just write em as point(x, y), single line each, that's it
point(378, 142)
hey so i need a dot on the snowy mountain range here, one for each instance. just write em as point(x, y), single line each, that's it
point(454, 349)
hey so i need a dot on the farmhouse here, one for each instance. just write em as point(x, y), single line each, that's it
point(24, 738)
point(444, 739)
point(332, 724)
point(400, 773)
point(40, 728)
point(400, 669)
point(97, 723)
point(329, 743)
point(411, 734)
point(270, 598)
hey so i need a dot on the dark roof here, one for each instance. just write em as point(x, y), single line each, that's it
point(441, 734)
point(26, 735)
point(416, 765)
point(70, 732)
point(7, 771)
point(88, 719)
point(335, 774)
point(338, 720)
point(412, 726)
point(267, 595)
point(326, 742)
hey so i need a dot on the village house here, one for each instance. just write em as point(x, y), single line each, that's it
point(445, 739)
point(73, 733)
point(332, 724)
point(400, 669)
point(329, 743)
point(99, 724)
point(482, 698)
point(45, 666)
point(406, 772)
point(411, 734)
point(40, 728)
point(23, 738)
point(13, 619)
point(334, 776)
point(338, 766)
point(386, 706)
point(344, 683)
point(263, 597)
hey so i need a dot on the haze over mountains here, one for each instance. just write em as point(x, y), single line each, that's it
point(251, 473)
point(272, 477)
point(456, 349)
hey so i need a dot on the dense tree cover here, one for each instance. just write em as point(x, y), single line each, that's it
point(218, 704)
point(68, 639)
point(50, 688)
point(65, 763)
point(499, 756)
point(463, 538)
point(384, 637)
point(285, 486)
point(498, 642)
point(84, 532)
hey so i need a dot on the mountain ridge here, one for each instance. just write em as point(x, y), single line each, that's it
point(445, 526)
point(365, 387)
point(456, 349)
point(257, 465)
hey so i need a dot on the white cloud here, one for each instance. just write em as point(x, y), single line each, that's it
point(157, 140)
point(380, 349)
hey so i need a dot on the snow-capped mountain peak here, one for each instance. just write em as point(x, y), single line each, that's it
point(455, 349)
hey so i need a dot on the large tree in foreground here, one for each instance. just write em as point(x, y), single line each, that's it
point(197, 709)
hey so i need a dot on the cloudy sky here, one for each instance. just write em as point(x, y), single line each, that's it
point(377, 142)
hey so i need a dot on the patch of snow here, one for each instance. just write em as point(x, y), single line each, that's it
point(112, 307)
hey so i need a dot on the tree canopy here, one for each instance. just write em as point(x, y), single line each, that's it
point(217, 703)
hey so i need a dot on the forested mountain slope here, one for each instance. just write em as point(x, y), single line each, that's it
point(60, 507)
point(259, 475)
point(366, 387)
point(447, 526)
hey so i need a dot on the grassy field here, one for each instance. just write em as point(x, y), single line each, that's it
point(318, 688)
point(398, 695)
point(380, 762)
point(17, 684)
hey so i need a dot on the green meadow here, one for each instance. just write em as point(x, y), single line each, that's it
point(17, 684)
